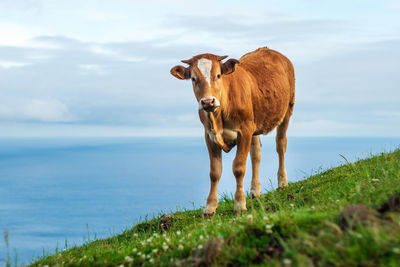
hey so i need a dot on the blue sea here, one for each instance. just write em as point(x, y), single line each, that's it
point(62, 192)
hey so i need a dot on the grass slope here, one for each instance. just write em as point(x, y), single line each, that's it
point(298, 226)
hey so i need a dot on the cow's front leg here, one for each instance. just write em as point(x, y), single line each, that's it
point(214, 152)
point(239, 169)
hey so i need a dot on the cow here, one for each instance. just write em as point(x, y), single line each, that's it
point(238, 101)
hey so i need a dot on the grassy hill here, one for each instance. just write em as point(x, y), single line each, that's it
point(310, 223)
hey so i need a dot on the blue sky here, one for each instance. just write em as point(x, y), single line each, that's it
point(101, 68)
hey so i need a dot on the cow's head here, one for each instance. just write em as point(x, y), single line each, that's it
point(206, 71)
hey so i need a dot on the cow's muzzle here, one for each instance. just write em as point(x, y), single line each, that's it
point(209, 104)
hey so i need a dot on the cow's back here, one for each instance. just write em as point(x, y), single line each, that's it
point(274, 75)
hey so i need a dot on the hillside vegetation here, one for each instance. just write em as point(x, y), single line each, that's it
point(310, 223)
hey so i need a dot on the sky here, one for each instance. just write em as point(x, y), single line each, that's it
point(101, 68)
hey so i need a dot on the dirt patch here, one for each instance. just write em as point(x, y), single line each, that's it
point(165, 222)
point(204, 256)
point(357, 214)
point(392, 204)
point(269, 248)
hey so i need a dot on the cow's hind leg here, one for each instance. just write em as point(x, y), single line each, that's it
point(281, 142)
point(255, 153)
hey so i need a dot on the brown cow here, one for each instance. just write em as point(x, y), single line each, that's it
point(238, 101)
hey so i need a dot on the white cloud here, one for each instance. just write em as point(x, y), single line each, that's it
point(12, 34)
point(15, 34)
point(46, 110)
point(91, 68)
point(98, 49)
point(104, 51)
point(13, 64)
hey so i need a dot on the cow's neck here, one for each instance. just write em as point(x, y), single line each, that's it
point(216, 127)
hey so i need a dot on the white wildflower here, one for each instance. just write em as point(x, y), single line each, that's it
point(201, 238)
point(180, 247)
point(200, 246)
point(396, 250)
point(178, 232)
point(165, 246)
point(249, 217)
point(151, 260)
point(268, 228)
point(287, 262)
point(128, 259)
point(374, 180)
point(292, 205)
point(134, 250)
point(155, 250)
point(121, 265)
point(135, 235)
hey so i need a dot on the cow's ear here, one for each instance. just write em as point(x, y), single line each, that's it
point(180, 72)
point(229, 66)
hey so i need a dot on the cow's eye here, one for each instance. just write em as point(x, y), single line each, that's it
point(193, 79)
point(218, 76)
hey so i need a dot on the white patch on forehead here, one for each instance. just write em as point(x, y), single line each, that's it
point(205, 66)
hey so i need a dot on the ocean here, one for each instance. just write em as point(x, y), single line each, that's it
point(60, 192)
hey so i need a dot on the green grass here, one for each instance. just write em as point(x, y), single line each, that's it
point(298, 226)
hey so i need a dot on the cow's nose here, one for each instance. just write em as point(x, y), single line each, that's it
point(209, 101)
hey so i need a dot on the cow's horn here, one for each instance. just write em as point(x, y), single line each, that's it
point(187, 61)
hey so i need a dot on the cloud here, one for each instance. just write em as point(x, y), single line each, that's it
point(13, 64)
point(92, 68)
point(45, 110)
point(96, 81)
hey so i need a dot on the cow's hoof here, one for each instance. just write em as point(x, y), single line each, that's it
point(281, 188)
point(208, 214)
point(240, 207)
point(241, 211)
